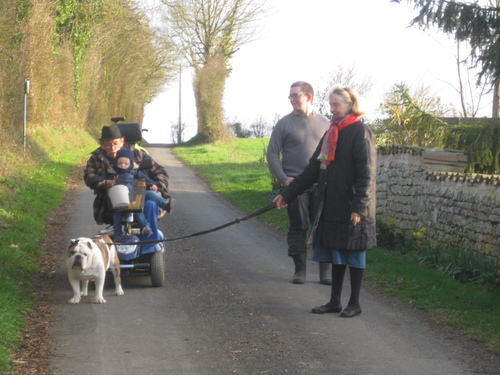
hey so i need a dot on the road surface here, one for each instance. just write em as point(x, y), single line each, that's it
point(228, 307)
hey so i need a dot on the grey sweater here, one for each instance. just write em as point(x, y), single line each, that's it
point(295, 138)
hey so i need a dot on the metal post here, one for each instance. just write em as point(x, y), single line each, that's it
point(179, 130)
point(26, 92)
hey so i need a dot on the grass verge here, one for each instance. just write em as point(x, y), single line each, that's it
point(238, 170)
point(32, 184)
point(469, 308)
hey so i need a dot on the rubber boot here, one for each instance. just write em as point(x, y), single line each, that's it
point(300, 268)
point(325, 273)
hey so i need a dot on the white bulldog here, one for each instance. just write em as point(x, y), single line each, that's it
point(88, 260)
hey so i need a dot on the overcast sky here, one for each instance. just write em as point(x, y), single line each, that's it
point(306, 40)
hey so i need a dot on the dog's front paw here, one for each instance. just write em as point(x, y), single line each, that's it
point(119, 291)
point(74, 300)
point(100, 300)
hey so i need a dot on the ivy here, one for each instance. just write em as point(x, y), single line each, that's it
point(22, 11)
point(75, 21)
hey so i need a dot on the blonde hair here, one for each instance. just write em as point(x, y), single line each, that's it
point(348, 95)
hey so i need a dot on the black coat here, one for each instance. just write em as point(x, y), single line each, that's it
point(347, 185)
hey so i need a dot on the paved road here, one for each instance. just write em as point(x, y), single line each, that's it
point(228, 307)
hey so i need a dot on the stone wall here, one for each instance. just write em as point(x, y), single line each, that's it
point(460, 209)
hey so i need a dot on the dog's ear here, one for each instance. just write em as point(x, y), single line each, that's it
point(73, 242)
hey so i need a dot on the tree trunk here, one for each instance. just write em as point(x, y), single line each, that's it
point(496, 98)
point(209, 84)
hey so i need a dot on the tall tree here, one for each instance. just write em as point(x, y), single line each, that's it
point(478, 25)
point(208, 33)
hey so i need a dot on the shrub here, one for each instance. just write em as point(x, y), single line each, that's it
point(461, 264)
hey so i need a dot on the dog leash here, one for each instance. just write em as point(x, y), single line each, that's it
point(261, 211)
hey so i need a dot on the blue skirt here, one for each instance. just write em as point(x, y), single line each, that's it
point(355, 259)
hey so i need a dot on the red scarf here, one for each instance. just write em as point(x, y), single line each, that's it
point(329, 146)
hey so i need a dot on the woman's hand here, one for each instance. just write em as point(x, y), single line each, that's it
point(153, 187)
point(280, 202)
point(355, 218)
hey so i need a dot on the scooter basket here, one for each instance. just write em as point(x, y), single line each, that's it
point(136, 195)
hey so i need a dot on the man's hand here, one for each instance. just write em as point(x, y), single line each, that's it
point(280, 202)
point(288, 181)
point(106, 183)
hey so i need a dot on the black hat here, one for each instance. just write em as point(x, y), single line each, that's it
point(110, 132)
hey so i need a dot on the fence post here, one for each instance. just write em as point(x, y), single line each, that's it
point(26, 92)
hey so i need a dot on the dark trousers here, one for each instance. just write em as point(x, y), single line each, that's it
point(300, 214)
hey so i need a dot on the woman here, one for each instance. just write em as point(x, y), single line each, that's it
point(344, 167)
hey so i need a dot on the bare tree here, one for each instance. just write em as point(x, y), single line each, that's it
point(470, 101)
point(177, 132)
point(345, 76)
point(239, 130)
point(260, 128)
point(208, 33)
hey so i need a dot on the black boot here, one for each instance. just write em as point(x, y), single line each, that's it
point(300, 268)
point(325, 273)
point(334, 306)
point(353, 308)
point(168, 205)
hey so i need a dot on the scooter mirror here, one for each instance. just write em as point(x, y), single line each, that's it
point(145, 164)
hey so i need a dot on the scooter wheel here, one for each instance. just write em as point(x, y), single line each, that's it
point(157, 269)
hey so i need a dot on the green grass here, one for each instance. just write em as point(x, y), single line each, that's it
point(469, 308)
point(26, 201)
point(238, 171)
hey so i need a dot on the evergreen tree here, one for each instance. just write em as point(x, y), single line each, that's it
point(470, 22)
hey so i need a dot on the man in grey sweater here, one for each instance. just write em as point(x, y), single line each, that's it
point(293, 141)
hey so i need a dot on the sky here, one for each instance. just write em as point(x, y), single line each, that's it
point(307, 40)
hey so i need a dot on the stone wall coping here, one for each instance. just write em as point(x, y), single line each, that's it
point(399, 149)
point(413, 150)
point(473, 178)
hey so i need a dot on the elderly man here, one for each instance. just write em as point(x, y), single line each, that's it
point(100, 162)
point(293, 141)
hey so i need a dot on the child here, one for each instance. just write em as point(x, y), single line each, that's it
point(123, 166)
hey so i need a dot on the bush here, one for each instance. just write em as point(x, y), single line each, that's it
point(461, 264)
